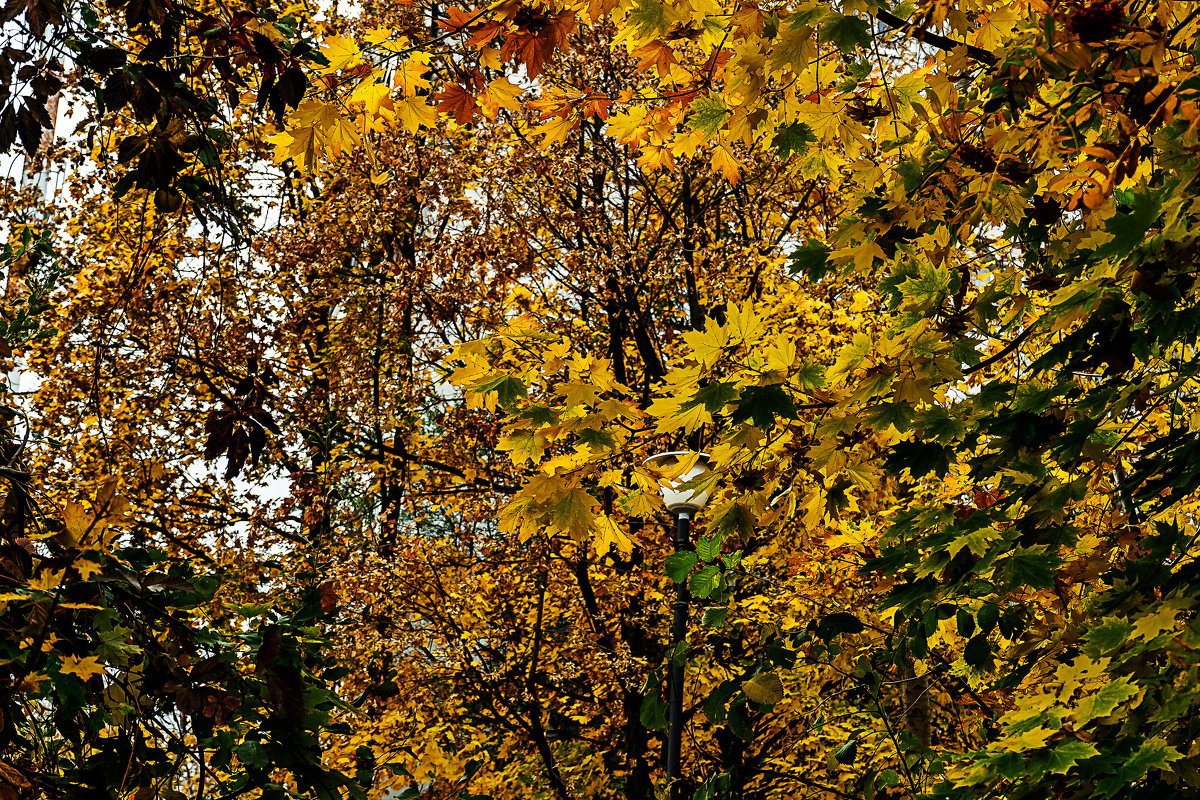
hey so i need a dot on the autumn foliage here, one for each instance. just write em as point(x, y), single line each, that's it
point(337, 339)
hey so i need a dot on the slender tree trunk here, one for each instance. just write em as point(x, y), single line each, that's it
point(916, 703)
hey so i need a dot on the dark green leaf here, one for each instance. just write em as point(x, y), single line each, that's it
point(919, 457)
point(507, 388)
point(966, 623)
point(738, 723)
point(762, 404)
point(793, 139)
point(987, 617)
point(714, 705)
point(978, 652)
point(1032, 568)
point(1110, 634)
point(846, 31)
point(714, 396)
point(811, 258)
point(680, 564)
point(846, 753)
point(653, 713)
point(837, 623)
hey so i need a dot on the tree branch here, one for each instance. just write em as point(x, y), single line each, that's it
point(935, 39)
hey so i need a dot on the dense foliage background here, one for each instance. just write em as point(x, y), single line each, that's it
point(336, 339)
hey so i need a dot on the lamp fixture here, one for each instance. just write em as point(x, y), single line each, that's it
point(680, 501)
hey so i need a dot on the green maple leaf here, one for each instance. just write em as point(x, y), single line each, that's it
point(648, 16)
point(811, 258)
point(929, 285)
point(715, 396)
point(920, 458)
point(1065, 754)
point(1153, 754)
point(1129, 228)
point(1026, 567)
point(793, 139)
point(847, 32)
point(507, 388)
point(1104, 701)
point(809, 376)
point(1108, 635)
point(762, 404)
point(708, 114)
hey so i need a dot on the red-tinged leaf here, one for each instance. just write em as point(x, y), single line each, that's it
point(456, 100)
point(483, 28)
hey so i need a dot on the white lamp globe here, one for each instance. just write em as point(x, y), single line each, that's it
point(680, 501)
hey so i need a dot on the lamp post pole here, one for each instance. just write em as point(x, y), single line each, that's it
point(683, 524)
point(683, 503)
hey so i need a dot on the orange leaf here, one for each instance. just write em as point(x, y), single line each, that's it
point(456, 100)
point(725, 161)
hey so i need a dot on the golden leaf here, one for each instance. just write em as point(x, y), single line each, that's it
point(84, 667)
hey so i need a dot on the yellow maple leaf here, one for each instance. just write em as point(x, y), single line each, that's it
point(575, 393)
point(297, 144)
point(862, 254)
point(743, 324)
point(781, 354)
point(609, 535)
point(1082, 671)
point(78, 523)
point(793, 48)
point(339, 137)
point(500, 93)
point(654, 158)
point(823, 117)
point(1151, 625)
point(47, 580)
point(86, 568)
point(628, 126)
point(415, 114)
point(318, 128)
point(341, 52)
point(556, 129)
point(413, 74)
point(724, 161)
point(523, 445)
point(377, 107)
point(574, 512)
point(83, 668)
point(378, 35)
point(998, 23)
point(861, 474)
point(672, 417)
point(489, 57)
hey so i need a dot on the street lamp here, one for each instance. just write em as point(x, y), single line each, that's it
point(683, 503)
